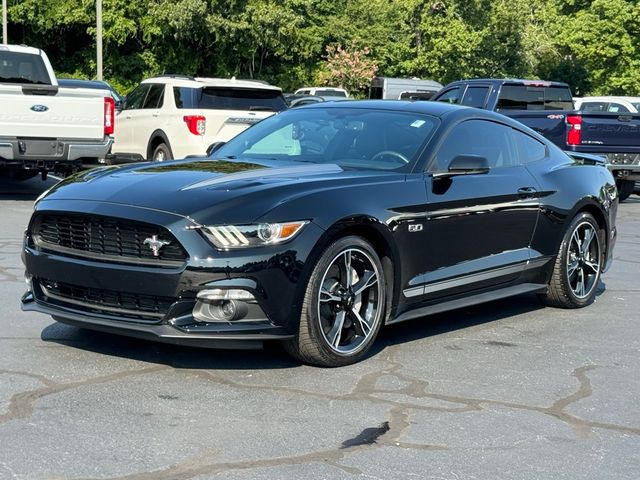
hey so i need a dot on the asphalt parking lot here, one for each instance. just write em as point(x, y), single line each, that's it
point(507, 390)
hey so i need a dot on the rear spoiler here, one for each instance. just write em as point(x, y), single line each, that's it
point(587, 158)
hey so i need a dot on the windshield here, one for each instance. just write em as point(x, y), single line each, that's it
point(16, 67)
point(350, 137)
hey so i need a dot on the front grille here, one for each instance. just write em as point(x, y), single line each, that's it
point(111, 302)
point(105, 238)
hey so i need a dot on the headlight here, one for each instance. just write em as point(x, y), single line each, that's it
point(246, 236)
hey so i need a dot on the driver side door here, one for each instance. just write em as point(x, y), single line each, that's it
point(479, 225)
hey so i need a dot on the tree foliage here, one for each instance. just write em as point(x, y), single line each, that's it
point(592, 44)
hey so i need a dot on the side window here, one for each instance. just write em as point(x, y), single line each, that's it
point(490, 140)
point(593, 106)
point(475, 96)
point(450, 96)
point(136, 98)
point(155, 98)
point(183, 97)
point(618, 108)
point(529, 149)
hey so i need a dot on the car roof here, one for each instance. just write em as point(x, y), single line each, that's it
point(21, 49)
point(609, 98)
point(513, 80)
point(434, 109)
point(199, 82)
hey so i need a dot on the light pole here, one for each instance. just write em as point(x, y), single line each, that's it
point(98, 39)
point(5, 40)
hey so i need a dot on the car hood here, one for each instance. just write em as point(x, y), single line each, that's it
point(224, 191)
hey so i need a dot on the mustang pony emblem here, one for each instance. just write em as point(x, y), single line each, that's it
point(155, 244)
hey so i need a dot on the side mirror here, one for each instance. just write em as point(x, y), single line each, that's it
point(213, 147)
point(465, 165)
point(119, 105)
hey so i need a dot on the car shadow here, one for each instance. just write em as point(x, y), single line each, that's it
point(24, 190)
point(272, 356)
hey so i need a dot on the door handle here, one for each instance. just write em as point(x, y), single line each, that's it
point(127, 116)
point(526, 192)
point(155, 115)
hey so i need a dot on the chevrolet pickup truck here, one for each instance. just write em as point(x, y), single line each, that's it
point(44, 128)
point(548, 108)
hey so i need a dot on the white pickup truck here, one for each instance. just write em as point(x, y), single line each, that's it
point(45, 128)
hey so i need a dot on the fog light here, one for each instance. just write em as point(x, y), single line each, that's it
point(220, 305)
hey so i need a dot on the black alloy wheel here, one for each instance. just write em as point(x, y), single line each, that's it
point(578, 264)
point(343, 307)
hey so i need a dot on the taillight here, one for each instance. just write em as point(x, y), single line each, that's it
point(197, 124)
point(574, 129)
point(109, 115)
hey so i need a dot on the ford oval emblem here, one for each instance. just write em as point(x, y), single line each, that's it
point(39, 108)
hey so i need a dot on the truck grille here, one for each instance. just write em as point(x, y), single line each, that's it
point(150, 308)
point(107, 239)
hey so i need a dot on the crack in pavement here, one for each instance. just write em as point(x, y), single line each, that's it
point(22, 404)
point(398, 421)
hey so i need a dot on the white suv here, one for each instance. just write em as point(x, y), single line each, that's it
point(172, 116)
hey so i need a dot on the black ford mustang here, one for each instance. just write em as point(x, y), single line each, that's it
point(318, 225)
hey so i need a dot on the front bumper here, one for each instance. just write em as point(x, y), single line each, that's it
point(272, 275)
point(247, 337)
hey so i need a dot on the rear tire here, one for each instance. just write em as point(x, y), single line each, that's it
point(625, 189)
point(343, 307)
point(578, 265)
point(162, 153)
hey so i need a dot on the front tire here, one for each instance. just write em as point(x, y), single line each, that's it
point(162, 153)
point(578, 265)
point(343, 307)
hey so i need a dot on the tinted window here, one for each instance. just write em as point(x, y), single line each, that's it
point(490, 140)
point(416, 95)
point(526, 97)
point(529, 149)
point(352, 138)
point(185, 97)
point(330, 93)
point(23, 68)
point(450, 96)
point(475, 96)
point(136, 98)
point(616, 107)
point(155, 98)
point(241, 99)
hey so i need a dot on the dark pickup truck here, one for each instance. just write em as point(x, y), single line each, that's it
point(547, 107)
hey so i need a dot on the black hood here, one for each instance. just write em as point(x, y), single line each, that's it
point(228, 191)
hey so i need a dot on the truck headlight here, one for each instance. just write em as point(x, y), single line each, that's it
point(246, 236)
